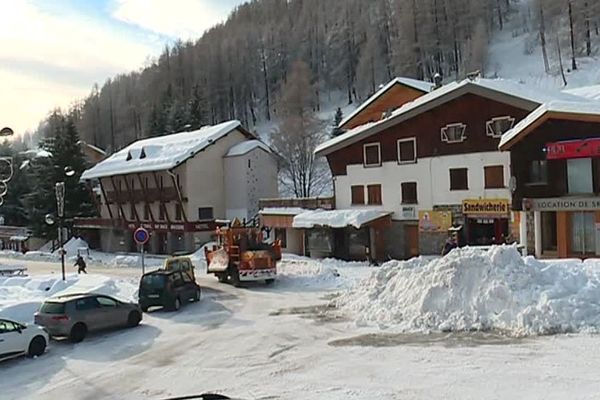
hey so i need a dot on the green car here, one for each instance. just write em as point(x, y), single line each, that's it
point(168, 289)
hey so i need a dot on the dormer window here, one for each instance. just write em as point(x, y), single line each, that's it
point(496, 127)
point(129, 156)
point(454, 133)
point(143, 153)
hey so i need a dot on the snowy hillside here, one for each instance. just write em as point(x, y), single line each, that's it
point(516, 53)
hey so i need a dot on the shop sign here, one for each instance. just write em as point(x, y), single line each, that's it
point(486, 206)
point(408, 213)
point(562, 204)
point(573, 149)
point(435, 221)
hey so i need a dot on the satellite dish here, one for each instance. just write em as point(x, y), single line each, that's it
point(6, 131)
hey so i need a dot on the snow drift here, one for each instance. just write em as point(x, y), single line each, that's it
point(479, 290)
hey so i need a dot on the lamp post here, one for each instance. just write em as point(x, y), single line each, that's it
point(59, 188)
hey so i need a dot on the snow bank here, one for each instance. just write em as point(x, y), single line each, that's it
point(329, 273)
point(474, 290)
point(20, 297)
point(73, 245)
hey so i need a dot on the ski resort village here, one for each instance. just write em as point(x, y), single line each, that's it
point(300, 199)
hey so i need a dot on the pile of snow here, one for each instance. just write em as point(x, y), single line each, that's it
point(72, 246)
point(20, 297)
point(474, 290)
point(126, 261)
point(328, 273)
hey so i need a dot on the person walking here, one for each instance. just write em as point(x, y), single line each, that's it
point(80, 264)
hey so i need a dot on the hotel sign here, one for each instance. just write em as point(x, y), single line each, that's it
point(573, 149)
point(486, 206)
point(563, 204)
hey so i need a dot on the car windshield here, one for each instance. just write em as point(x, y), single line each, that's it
point(153, 281)
point(52, 308)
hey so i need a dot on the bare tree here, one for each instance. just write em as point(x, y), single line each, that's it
point(302, 173)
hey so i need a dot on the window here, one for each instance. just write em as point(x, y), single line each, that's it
point(409, 192)
point(496, 127)
point(454, 133)
point(146, 212)
point(8, 326)
point(106, 302)
point(374, 194)
point(187, 278)
point(407, 150)
point(281, 235)
point(177, 279)
point(178, 212)
point(160, 182)
point(161, 212)
point(86, 304)
point(459, 179)
point(372, 155)
point(579, 175)
point(494, 177)
point(205, 213)
point(538, 172)
point(358, 194)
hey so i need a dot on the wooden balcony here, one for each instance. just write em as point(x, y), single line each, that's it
point(165, 194)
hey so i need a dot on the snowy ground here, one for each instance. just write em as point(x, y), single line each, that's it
point(286, 342)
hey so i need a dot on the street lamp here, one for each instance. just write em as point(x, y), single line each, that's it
point(59, 188)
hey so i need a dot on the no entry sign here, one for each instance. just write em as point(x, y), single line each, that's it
point(141, 236)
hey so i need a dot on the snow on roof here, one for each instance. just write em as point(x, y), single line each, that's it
point(245, 147)
point(337, 218)
point(525, 96)
point(413, 83)
point(573, 107)
point(589, 92)
point(282, 211)
point(160, 153)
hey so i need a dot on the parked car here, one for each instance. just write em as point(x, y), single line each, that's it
point(75, 315)
point(17, 339)
point(169, 289)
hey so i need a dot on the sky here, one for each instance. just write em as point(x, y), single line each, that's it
point(53, 51)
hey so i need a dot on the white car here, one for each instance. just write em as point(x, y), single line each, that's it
point(17, 339)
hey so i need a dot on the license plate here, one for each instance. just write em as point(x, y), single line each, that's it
point(153, 296)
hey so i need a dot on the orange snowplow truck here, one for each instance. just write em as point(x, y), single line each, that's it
point(241, 256)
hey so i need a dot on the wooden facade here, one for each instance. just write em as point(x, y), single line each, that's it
point(394, 97)
point(533, 147)
point(469, 109)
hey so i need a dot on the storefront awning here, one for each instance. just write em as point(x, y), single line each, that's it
point(338, 218)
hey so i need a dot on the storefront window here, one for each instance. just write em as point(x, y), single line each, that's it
point(579, 175)
point(549, 242)
point(583, 226)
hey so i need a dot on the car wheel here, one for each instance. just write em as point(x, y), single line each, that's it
point(176, 304)
point(37, 346)
point(269, 281)
point(197, 295)
point(78, 332)
point(134, 319)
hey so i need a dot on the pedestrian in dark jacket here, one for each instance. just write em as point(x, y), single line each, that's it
point(451, 243)
point(80, 264)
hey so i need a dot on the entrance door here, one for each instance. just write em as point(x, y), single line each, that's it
point(411, 240)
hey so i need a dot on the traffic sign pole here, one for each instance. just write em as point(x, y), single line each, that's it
point(141, 237)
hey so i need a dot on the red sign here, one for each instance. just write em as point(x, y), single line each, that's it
point(573, 149)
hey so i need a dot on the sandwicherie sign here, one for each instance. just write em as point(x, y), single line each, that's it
point(562, 204)
point(486, 206)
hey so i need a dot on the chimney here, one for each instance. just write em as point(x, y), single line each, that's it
point(437, 80)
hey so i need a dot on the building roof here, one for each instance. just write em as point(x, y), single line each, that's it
point(589, 92)
point(574, 111)
point(245, 147)
point(416, 84)
point(290, 211)
point(337, 218)
point(510, 92)
point(161, 153)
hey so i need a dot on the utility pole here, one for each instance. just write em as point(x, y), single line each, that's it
point(60, 208)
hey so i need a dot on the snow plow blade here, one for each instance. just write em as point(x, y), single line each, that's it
point(218, 261)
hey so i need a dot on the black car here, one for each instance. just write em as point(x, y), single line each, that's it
point(169, 289)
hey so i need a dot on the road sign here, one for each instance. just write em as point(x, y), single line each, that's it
point(141, 236)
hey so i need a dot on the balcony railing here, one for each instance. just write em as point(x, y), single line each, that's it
point(139, 195)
